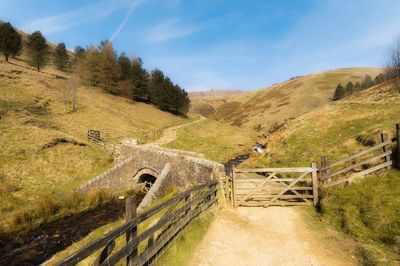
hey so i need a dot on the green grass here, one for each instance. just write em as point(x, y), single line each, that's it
point(369, 211)
point(180, 251)
point(218, 141)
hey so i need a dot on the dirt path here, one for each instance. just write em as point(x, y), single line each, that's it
point(266, 236)
point(169, 134)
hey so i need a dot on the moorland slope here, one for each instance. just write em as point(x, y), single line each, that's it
point(261, 109)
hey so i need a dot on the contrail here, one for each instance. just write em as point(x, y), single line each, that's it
point(135, 3)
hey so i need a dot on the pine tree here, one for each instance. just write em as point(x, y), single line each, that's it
point(379, 79)
point(79, 52)
point(156, 85)
point(60, 57)
point(357, 86)
point(339, 93)
point(125, 67)
point(10, 40)
point(140, 80)
point(367, 82)
point(37, 50)
point(349, 88)
point(108, 68)
point(88, 68)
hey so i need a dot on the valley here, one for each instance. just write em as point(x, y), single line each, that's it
point(111, 158)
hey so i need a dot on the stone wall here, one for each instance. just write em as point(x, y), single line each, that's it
point(185, 170)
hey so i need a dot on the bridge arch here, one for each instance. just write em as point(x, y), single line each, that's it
point(146, 175)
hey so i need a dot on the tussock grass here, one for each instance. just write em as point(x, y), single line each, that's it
point(369, 211)
point(49, 207)
point(218, 141)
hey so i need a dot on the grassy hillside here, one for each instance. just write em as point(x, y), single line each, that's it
point(368, 209)
point(284, 101)
point(218, 141)
point(34, 162)
point(337, 129)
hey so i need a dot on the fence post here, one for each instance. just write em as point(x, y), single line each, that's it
point(325, 162)
point(130, 209)
point(315, 186)
point(384, 137)
point(398, 145)
point(233, 187)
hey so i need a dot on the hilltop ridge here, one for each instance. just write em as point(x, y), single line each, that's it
point(261, 109)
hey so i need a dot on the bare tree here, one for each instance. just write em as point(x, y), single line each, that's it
point(69, 92)
point(392, 69)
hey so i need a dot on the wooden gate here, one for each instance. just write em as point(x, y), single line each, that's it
point(274, 186)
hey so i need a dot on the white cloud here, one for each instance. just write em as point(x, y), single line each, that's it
point(82, 15)
point(169, 30)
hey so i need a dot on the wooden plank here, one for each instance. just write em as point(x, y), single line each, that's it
point(130, 209)
point(277, 170)
point(241, 197)
point(368, 171)
point(223, 191)
point(398, 145)
point(233, 186)
point(254, 180)
point(315, 184)
point(351, 167)
point(270, 189)
point(384, 137)
point(287, 188)
point(358, 154)
point(276, 203)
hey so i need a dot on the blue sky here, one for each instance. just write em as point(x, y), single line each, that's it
point(221, 44)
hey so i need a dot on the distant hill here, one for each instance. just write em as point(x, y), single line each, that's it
point(207, 102)
point(263, 109)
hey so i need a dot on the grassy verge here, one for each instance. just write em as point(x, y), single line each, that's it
point(218, 141)
point(369, 211)
point(180, 251)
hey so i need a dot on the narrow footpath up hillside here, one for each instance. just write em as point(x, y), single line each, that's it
point(169, 134)
point(268, 236)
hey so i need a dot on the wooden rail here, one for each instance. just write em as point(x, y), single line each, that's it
point(369, 160)
point(167, 219)
point(278, 186)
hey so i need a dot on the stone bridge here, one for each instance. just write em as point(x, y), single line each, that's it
point(158, 166)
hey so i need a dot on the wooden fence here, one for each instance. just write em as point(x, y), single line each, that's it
point(93, 136)
point(365, 162)
point(273, 186)
point(160, 223)
point(278, 186)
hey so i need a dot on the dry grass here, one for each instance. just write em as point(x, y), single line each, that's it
point(334, 130)
point(32, 116)
point(298, 96)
